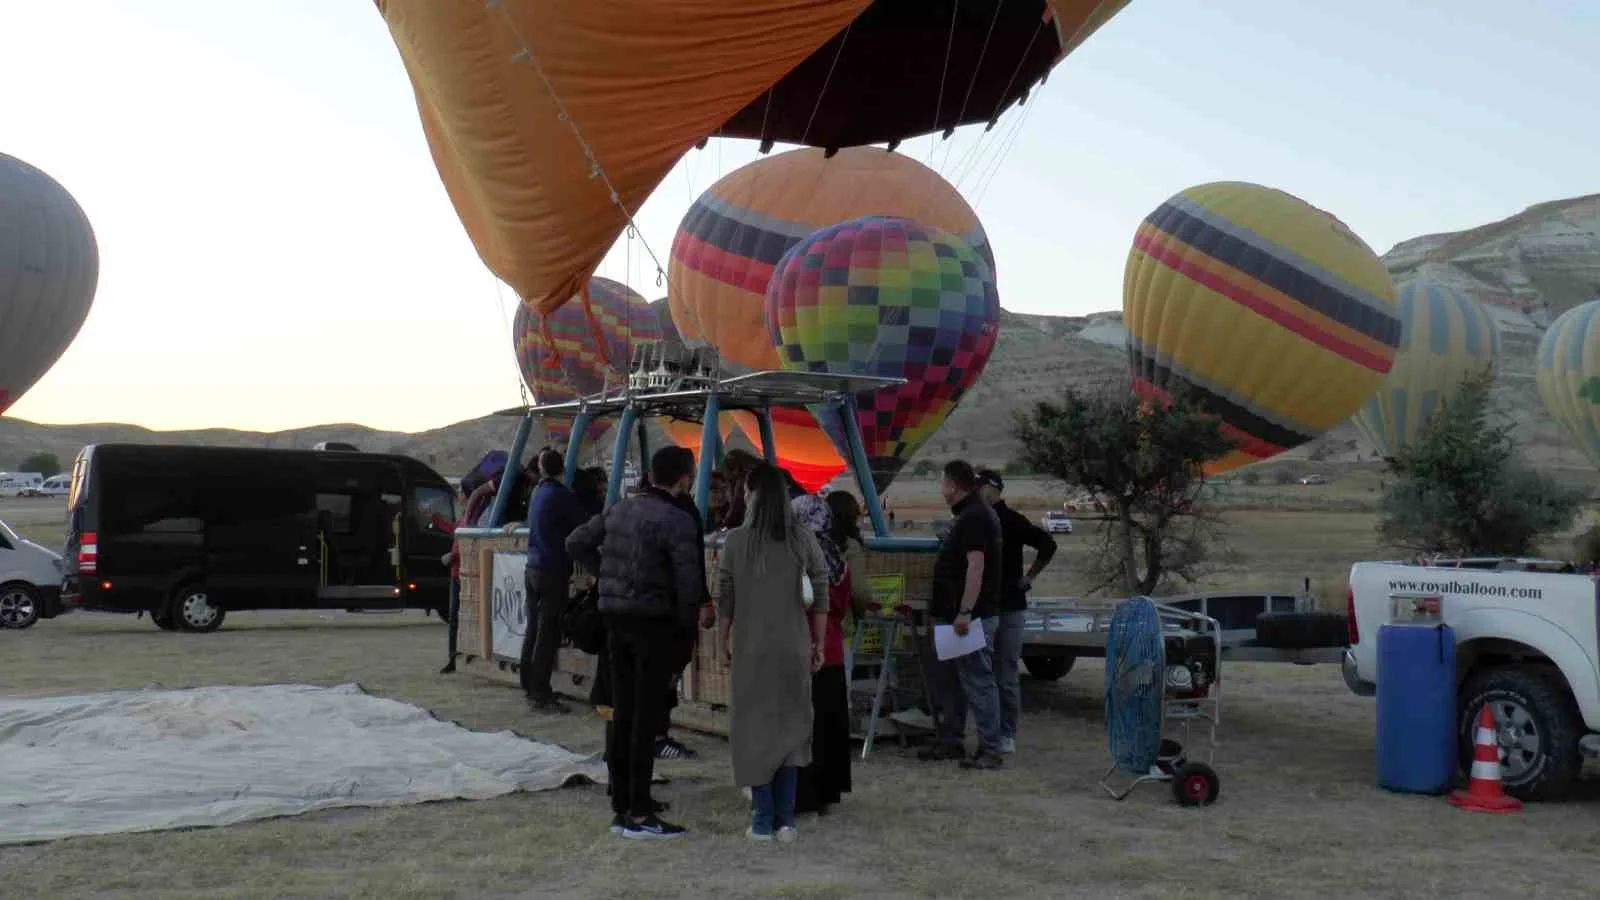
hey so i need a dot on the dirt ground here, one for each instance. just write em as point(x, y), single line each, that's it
point(1299, 815)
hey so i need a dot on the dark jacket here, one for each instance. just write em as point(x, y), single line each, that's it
point(554, 512)
point(1017, 532)
point(686, 503)
point(651, 561)
point(976, 527)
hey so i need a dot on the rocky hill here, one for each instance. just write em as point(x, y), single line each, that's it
point(1527, 269)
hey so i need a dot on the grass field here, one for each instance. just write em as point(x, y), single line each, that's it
point(1300, 815)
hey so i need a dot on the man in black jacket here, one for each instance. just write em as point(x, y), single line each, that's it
point(651, 586)
point(1016, 532)
point(966, 595)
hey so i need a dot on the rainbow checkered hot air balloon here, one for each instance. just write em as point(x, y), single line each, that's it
point(576, 352)
point(889, 297)
point(1267, 311)
point(1445, 337)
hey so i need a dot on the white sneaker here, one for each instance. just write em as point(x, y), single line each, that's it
point(752, 835)
point(787, 834)
point(1008, 745)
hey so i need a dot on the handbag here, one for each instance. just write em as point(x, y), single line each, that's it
point(582, 623)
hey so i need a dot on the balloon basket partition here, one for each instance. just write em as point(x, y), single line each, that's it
point(904, 577)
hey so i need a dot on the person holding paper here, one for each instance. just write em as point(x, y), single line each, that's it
point(966, 593)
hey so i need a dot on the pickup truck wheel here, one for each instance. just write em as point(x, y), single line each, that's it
point(1302, 630)
point(1049, 668)
point(192, 610)
point(1537, 724)
point(19, 605)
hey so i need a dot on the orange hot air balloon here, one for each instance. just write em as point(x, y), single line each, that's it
point(687, 434)
point(733, 235)
point(551, 121)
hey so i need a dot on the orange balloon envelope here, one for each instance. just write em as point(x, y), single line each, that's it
point(735, 233)
point(550, 121)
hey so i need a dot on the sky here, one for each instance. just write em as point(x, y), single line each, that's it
point(277, 250)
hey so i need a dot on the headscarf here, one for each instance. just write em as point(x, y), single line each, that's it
point(812, 512)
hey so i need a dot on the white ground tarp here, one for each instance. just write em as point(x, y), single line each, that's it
point(152, 759)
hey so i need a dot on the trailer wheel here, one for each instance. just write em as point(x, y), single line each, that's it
point(1196, 784)
point(1536, 724)
point(1049, 668)
point(1302, 630)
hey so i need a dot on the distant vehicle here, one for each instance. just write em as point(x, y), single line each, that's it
point(55, 486)
point(189, 533)
point(21, 484)
point(1313, 479)
point(30, 581)
point(339, 446)
point(1056, 523)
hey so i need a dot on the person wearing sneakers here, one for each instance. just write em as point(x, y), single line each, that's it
point(966, 593)
point(553, 512)
point(1016, 532)
point(651, 586)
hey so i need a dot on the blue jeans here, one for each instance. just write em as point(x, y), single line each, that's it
point(968, 682)
point(1007, 666)
point(774, 803)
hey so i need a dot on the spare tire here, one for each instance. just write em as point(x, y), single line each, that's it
point(1302, 630)
point(1049, 668)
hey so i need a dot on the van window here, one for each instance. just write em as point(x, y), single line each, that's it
point(151, 506)
point(337, 506)
point(431, 505)
point(80, 478)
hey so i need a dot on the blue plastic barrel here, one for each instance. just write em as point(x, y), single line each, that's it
point(1416, 708)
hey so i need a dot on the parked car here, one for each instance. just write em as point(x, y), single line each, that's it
point(55, 486)
point(189, 533)
point(1056, 523)
point(30, 581)
point(1313, 479)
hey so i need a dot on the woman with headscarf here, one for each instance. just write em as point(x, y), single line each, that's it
point(835, 521)
point(776, 634)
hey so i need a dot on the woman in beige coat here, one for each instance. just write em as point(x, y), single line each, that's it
point(776, 635)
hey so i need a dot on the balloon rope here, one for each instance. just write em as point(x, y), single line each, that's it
point(843, 39)
point(552, 359)
point(595, 169)
point(976, 161)
point(977, 69)
point(594, 327)
point(938, 109)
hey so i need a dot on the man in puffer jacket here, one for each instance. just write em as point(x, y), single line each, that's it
point(651, 586)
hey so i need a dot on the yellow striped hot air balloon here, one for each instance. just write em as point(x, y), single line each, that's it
point(1445, 337)
point(1569, 375)
point(1267, 311)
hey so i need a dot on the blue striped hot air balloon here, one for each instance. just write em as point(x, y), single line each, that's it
point(1445, 336)
point(1569, 375)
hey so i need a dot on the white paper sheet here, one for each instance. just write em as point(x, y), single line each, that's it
point(949, 645)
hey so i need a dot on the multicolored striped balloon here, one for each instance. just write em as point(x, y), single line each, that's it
point(576, 351)
point(1268, 311)
point(725, 250)
point(1569, 375)
point(1445, 337)
point(889, 297)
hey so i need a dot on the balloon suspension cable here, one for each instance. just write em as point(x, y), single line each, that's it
point(977, 69)
point(596, 170)
point(826, 80)
point(971, 161)
point(944, 73)
point(1000, 157)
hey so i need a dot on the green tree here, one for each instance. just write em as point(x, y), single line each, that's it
point(45, 464)
point(1462, 489)
point(923, 468)
point(1143, 464)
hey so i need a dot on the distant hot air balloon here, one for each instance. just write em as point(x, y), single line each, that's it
point(1445, 337)
point(733, 235)
point(1267, 311)
point(588, 347)
point(49, 267)
point(1569, 375)
point(550, 121)
point(887, 297)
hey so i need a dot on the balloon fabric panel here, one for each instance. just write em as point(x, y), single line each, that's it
point(1568, 375)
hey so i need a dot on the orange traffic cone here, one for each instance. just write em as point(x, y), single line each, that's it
point(1483, 793)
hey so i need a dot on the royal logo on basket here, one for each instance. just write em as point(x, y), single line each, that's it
point(510, 606)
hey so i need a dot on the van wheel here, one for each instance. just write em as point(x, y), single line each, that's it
point(192, 610)
point(163, 619)
point(19, 605)
point(1049, 668)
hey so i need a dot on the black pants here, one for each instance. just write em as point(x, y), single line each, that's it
point(601, 695)
point(821, 783)
point(643, 655)
point(547, 603)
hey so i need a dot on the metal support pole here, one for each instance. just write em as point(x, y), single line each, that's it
point(709, 437)
point(644, 446)
point(769, 445)
point(580, 424)
point(619, 453)
point(845, 408)
point(502, 494)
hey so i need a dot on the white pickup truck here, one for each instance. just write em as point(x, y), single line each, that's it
point(1527, 643)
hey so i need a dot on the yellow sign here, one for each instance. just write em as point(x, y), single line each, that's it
point(889, 593)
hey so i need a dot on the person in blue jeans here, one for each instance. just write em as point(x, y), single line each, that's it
point(1016, 532)
point(966, 591)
